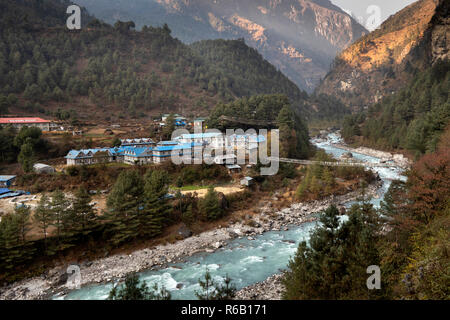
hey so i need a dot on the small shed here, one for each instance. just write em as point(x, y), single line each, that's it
point(7, 181)
point(43, 168)
point(233, 168)
point(247, 181)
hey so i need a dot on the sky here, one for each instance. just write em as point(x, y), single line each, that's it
point(371, 13)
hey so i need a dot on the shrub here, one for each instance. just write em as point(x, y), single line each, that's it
point(72, 171)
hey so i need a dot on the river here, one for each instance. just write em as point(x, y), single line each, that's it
point(245, 261)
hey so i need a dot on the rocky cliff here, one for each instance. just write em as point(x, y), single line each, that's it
point(300, 37)
point(383, 61)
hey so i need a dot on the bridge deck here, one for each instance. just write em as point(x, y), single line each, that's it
point(333, 164)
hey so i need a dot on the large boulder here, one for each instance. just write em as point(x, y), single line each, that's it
point(61, 278)
point(347, 155)
point(184, 232)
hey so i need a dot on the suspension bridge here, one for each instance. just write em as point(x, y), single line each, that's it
point(333, 163)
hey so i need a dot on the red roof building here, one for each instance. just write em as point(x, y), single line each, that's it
point(28, 121)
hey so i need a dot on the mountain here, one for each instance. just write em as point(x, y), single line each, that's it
point(382, 62)
point(105, 71)
point(413, 119)
point(300, 37)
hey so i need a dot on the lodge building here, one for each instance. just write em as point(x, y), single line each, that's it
point(44, 125)
point(186, 146)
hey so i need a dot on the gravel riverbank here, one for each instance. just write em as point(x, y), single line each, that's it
point(269, 289)
point(399, 159)
point(116, 267)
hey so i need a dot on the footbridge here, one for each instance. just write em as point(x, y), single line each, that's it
point(332, 163)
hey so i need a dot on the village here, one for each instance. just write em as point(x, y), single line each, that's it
point(211, 147)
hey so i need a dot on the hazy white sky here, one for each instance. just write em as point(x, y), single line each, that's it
point(377, 8)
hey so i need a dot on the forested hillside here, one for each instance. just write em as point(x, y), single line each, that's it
point(239, 67)
point(105, 68)
point(412, 119)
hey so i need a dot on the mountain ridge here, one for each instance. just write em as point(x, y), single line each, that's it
point(383, 61)
point(117, 71)
point(300, 37)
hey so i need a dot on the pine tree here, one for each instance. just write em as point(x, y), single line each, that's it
point(210, 206)
point(304, 186)
point(125, 204)
point(59, 207)
point(26, 156)
point(328, 178)
point(227, 291)
point(315, 185)
point(156, 209)
point(14, 247)
point(134, 289)
point(207, 287)
point(84, 214)
point(169, 127)
point(210, 290)
point(43, 216)
point(334, 264)
point(22, 218)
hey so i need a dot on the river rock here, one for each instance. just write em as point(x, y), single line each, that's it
point(233, 234)
point(62, 278)
point(184, 232)
point(347, 155)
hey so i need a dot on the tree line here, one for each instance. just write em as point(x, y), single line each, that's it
point(23, 146)
point(138, 208)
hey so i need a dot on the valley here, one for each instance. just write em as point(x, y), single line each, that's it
point(223, 150)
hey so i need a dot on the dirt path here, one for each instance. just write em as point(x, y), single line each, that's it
point(225, 190)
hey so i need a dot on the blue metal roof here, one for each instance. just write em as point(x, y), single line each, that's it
point(75, 153)
point(136, 152)
point(6, 178)
point(167, 143)
point(4, 190)
point(199, 135)
point(13, 194)
point(178, 147)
